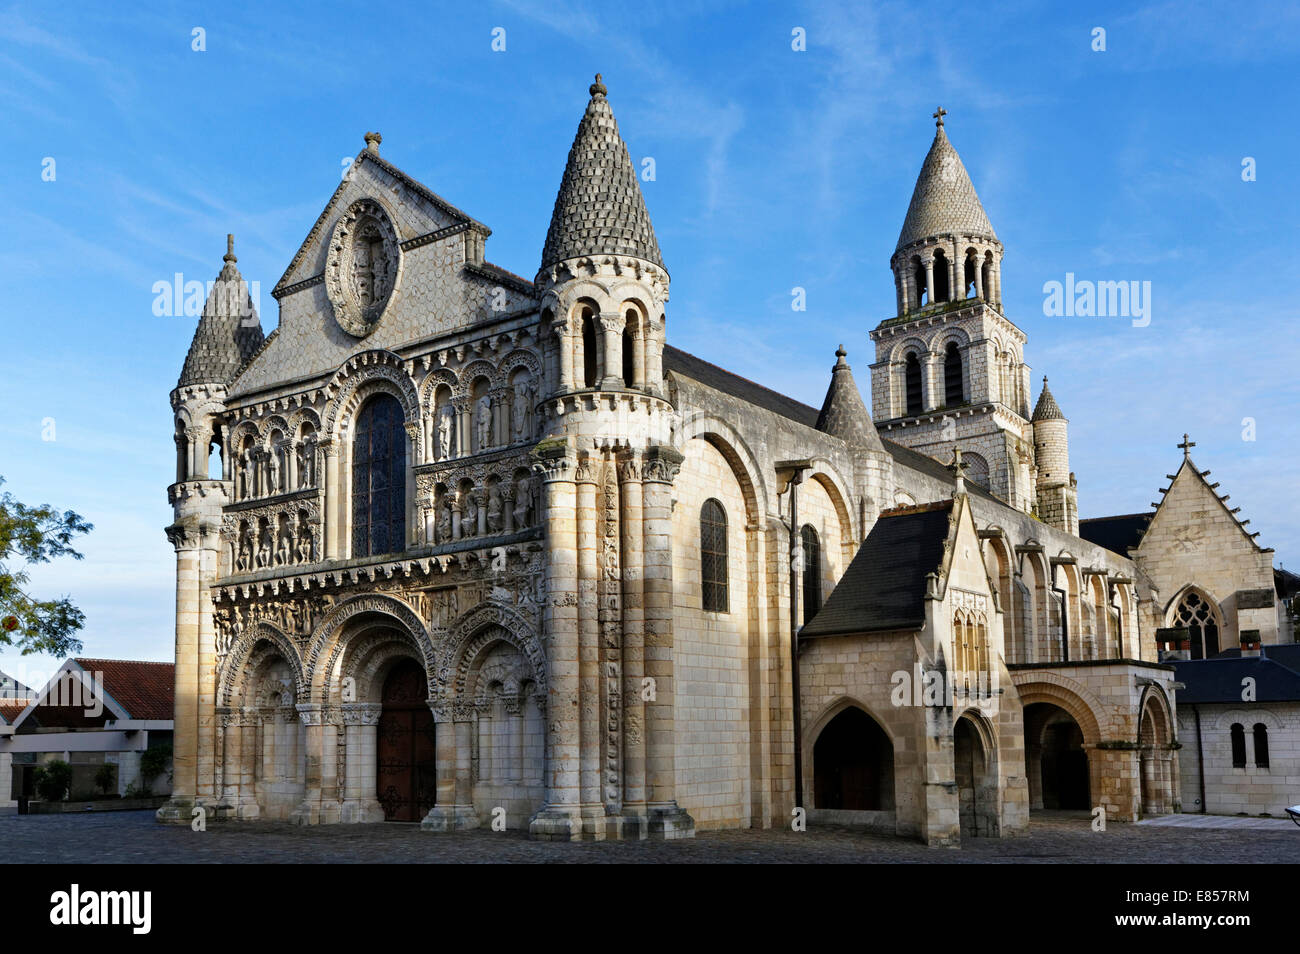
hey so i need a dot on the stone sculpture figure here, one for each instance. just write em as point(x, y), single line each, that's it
point(469, 521)
point(304, 539)
point(246, 462)
point(246, 545)
point(519, 411)
point(446, 414)
point(494, 510)
point(483, 421)
point(523, 502)
point(273, 471)
point(444, 520)
point(264, 548)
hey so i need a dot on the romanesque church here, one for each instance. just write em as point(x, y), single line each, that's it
point(489, 551)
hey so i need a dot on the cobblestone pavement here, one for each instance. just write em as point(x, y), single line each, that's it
point(134, 837)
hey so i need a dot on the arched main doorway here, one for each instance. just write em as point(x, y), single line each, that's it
point(853, 765)
point(406, 782)
point(1056, 759)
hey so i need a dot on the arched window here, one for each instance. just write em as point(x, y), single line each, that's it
point(812, 572)
point(713, 556)
point(941, 283)
point(1198, 616)
point(590, 368)
point(1261, 745)
point(379, 479)
point(912, 377)
point(954, 389)
point(1238, 735)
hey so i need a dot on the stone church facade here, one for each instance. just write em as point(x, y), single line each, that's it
point(487, 550)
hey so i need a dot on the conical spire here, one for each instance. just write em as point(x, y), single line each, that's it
point(599, 209)
point(1047, 409)
point(843, 413)
point(944, 200)
point(229, 331)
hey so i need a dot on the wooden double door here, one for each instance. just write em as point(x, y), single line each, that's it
point(407, 766)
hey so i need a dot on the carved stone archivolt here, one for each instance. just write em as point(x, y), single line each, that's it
point(363, 268)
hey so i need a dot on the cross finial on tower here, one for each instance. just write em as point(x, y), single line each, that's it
point(230, 248)
point(938, 116)
point(1186, 447)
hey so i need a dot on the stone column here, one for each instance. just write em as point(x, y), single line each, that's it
point(564, 343)
point(654, 355)
point(250, 754)
point(638, 355)
point(332, 510)
point(481, 498)
point(667, 819)
point(979, 280)
point(208, 724)
point(932, 381)
point(360, 721)
point(928, 262)
point(957, 284)
point(185, 747)
point(593, 811)
point(634, 725)
point(508, 504)
point(559, 818)
point(612, 324)
point(463, 432)
point(454, 810)
point(232, 756)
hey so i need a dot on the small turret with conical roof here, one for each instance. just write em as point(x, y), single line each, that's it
point(1057, 494)
point(602, 281)
point(844, 415)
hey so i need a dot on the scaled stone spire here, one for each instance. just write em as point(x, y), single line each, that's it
point(844, 415)
point(1047, 409)
point(944, 200)
point(229, 331)
point(599, 209)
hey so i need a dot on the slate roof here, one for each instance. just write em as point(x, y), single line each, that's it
point(143, 689)
point(1116, 533)
point(224, 341)
point(697, 369)
point(844, 415)
point(884, 587)
point(1219, 680)
point(1047, 409)
point(1286, 654)
point(599, 208)
point(944, 200)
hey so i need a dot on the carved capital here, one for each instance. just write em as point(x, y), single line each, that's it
point(662, 464)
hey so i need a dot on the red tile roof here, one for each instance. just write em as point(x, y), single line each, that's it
point(11, 709)
point(143, 689)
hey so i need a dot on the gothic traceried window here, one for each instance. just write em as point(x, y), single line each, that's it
point(713, 556)
point(379, 479)
point(812, 572)
point(1198, 616)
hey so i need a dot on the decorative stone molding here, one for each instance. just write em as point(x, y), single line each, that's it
point(364, 267)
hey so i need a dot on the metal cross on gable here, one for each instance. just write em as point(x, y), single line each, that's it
point(938, 115)
point(1186, 446)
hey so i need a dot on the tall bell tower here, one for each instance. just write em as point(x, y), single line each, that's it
point(607, 464)
point(949, 364)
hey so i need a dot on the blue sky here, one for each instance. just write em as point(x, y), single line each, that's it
point(775, 169)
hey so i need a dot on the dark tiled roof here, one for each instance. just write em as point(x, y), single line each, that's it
point(944, 200)
point(884, 586)
point(697, 369)
point(1047, 409)
point(1116, 533)
point(228, 335)
point(1220, 680)
point(1286, 583)
point(1286, 654)
point(843, 414)
point(599, 208)
point(143, 689)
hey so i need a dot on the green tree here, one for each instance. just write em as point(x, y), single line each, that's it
point(36, 535)
point(153, 763)
point(105, 776)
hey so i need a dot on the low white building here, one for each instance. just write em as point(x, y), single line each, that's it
point(1239, 724)
point(91, 712)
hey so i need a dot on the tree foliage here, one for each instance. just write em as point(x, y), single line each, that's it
point(30, 535)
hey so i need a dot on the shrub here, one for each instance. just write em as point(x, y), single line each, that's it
point(105, 777)
point(53, 779)
point(153, 763)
